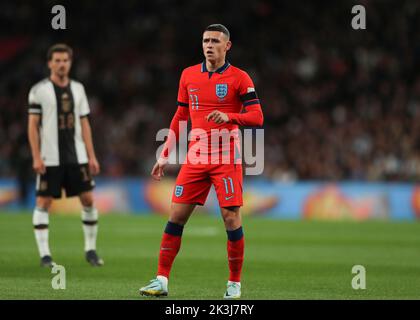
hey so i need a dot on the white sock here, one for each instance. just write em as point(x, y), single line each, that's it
point(232, 282)
point(164, 282)
point(40, 218)
point(90, 227)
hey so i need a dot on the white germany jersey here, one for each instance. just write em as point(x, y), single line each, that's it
point(60, 109)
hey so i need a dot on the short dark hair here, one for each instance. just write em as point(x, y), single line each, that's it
point(59, 47)
point(218, 27)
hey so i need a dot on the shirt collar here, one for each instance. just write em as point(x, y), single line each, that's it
point(220, 70)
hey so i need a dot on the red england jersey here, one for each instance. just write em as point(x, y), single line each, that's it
point(229, 90)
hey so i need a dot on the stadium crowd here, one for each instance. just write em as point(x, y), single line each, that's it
point(338, 103)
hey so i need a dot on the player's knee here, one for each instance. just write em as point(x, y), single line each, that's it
point(87, 202)
point(87, 199)
point(231, 217)
point(230, 220)
point(181, 220)
point(43, 203)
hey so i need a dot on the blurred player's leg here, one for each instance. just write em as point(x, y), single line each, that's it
point(169, 248)
point(90, 228)
point(40, 222)
point(235, 249)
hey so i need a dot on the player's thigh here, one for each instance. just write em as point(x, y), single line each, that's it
point(78, 180)
point(181, 212)
point(49, 184)
point(228, 183)
point(192, 185)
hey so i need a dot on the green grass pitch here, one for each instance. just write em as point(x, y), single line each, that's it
point(283, 259)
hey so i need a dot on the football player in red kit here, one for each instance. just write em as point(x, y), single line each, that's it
point(218, 97)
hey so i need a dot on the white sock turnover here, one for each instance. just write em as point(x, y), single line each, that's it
point(90, 227)
point(40, 222)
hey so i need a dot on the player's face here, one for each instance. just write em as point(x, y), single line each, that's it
point(215, 45)
point(60, 64)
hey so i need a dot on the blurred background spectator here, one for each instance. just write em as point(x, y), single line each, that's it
point(338, 103)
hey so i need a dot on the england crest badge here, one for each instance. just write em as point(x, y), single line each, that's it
point(221, 90)
point(178, 191)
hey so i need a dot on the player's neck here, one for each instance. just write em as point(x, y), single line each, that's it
point(212, 66)
point(60, 81)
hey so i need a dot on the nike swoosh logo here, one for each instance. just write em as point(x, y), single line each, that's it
point(192, 90)
point(154, 287)
point(232, 259)
point(227, 198)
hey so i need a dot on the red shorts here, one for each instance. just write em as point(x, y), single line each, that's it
point(194, 181)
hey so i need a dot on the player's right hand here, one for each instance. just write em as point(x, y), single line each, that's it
point(157, 171)
point(39, 166)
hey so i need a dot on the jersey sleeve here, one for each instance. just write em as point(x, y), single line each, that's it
point(247, 92)
point(182, 91)
point(34, 105)
point(253, 115)
point(84, 104)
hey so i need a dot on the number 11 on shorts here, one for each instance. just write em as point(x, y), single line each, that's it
point(227, 186)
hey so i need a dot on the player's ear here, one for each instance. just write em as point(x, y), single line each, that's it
point(228, 45)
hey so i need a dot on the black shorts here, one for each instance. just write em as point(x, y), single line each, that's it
point(74, 179)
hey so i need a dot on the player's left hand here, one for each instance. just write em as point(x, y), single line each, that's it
point(94, 166)
point(218, 117)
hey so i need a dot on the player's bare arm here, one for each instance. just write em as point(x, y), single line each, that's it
point(33, 135)
point(87, 138)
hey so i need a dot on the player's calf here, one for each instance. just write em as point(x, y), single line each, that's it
point(40, 221)
point(90, 230)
